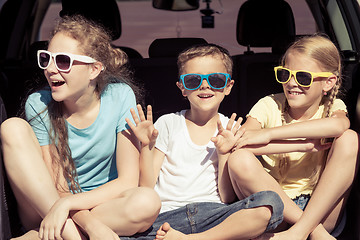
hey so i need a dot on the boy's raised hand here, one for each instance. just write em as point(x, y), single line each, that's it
point(227, 137)
point(144, 129)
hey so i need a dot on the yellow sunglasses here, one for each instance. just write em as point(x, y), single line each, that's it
point(302, 77)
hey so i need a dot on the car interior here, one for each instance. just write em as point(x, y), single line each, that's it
point(260, 24)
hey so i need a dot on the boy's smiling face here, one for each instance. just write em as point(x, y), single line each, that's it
point(205, 98)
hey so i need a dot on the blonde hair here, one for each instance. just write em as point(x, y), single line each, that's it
point(203, 50)
point(322, 50)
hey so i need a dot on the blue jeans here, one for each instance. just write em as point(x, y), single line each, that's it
point(302, 201)
point(199, 217)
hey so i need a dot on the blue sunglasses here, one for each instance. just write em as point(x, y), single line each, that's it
point(193, 81)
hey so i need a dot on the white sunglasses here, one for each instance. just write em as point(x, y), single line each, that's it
point(63, 61)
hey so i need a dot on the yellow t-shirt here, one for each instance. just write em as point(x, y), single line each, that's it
point(268, 111)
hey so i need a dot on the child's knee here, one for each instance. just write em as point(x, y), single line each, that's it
point(148, 201)
point(273, 203)
point(13, 128)
point(243, 162)
point(348, 142)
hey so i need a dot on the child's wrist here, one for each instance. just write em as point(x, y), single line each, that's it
point(146, 147)
point(271, 133)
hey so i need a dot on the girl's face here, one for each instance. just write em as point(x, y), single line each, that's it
point(305, 101)
point(205, 98)
point(76, 83)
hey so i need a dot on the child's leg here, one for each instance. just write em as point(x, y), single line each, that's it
point(28, 175)
point(135, 211)
point(244, 224)
point(30, 235)
point(339, 174)
point(248, 176)
point(244, 219)
point(328, 197)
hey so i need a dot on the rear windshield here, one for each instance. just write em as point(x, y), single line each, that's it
point(141, 23)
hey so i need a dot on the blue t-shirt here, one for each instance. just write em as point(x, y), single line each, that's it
point(93, 148)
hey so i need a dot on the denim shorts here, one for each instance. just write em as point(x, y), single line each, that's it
point(302, 201)
point(199, 217)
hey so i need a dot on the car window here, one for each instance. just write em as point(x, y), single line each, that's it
point(141, 23)
point(338, 24)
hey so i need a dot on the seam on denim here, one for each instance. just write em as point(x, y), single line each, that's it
point(190, 216)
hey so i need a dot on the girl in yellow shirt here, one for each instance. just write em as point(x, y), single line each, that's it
point(288, 131)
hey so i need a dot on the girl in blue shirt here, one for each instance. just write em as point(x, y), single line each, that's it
point(74, 164)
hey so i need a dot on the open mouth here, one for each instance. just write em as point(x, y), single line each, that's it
point(57, 83)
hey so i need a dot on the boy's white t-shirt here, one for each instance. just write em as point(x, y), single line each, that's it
point(189, 171)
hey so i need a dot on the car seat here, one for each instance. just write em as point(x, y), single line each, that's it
point(16, 19)
point(159, 73)
point(105, 12)
point(13, 17)
point(260, 24)
point(171, 47)
point(4, 215)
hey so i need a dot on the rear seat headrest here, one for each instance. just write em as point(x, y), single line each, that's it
point(105, 12)
point(171, 47)
point(261, 23)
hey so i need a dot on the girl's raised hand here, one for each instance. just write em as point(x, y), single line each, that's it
point(144, 129)
point(227, 137)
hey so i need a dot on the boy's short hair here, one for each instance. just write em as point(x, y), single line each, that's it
point(202, 50)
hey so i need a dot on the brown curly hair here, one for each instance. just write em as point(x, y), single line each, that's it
point(96, 43)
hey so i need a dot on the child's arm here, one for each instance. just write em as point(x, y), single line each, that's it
point(287, 146)
point(329, 127)
point(150, 157)
point(59, 212)
point(224, 142)
point(127, 164)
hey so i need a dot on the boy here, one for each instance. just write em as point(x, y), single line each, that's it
point(184, 156)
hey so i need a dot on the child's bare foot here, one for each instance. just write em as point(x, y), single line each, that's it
point(168, 233)
point(30, 235)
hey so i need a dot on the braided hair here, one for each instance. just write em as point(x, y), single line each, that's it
point(323, 51)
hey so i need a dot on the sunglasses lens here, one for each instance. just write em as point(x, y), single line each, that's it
point(282, 75)
point(217, 80)
point(44, 59)
point(303, 78)
point(63, 61)
point(192, 81)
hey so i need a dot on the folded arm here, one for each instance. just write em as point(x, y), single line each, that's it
point(298, 136)
point(80, 204)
